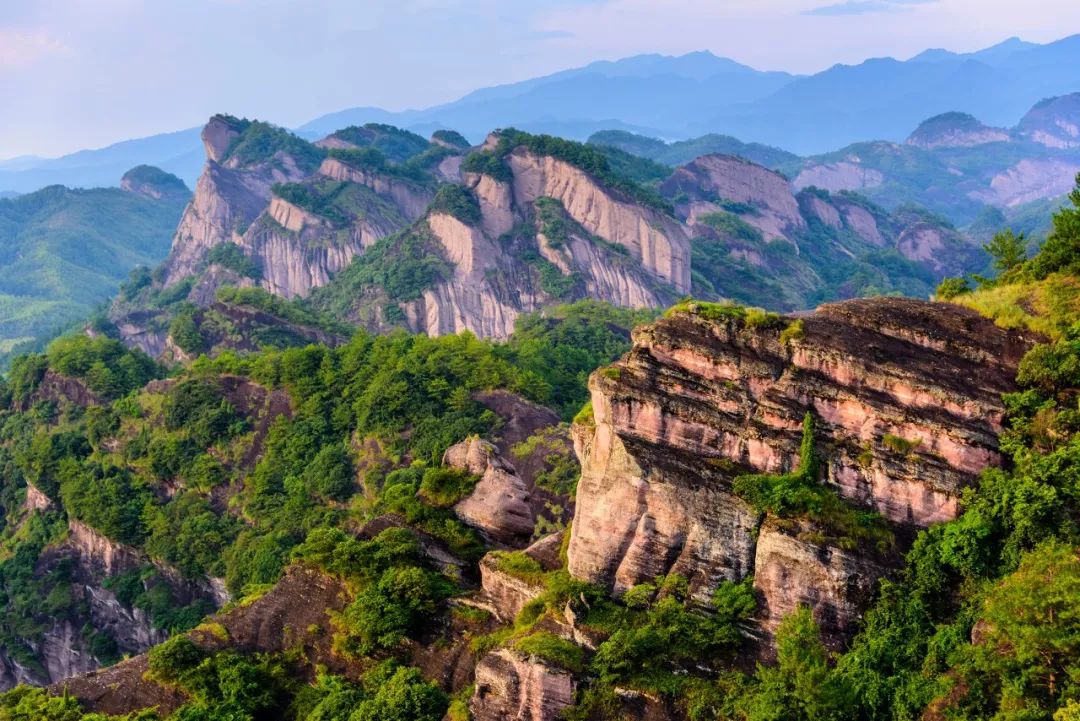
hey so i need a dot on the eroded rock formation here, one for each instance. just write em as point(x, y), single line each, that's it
point(907, 399)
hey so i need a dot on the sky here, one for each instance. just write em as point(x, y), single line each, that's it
point(85, 73)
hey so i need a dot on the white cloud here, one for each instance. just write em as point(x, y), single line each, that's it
point(19, 48)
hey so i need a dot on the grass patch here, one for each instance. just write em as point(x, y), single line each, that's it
point(1044, 307)
point(552, 650)
point(519, 565)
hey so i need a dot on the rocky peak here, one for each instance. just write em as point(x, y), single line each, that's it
point(954, 130)
point(907, 398)
point(1054, 122)
point(218, 135)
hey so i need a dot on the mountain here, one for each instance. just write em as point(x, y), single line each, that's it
point(574, 103)
point(742, 507)
point(177, 153)
point(955, 165)
point(681, 97)
point(683, 151)
point(381, 228)
point(64, 251)
point(675, 98)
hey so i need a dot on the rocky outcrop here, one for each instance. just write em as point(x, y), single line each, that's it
point(840, 175)
point(711, 179)
point(507, 593)
point(1054, 122)
point(56, 388)
point(955, 130)
point(792, 571)
point(499, 505)
point(1028, 180)
point(410, 199)
point(228, 198)
point(155, 183)
point(513, 687)
point(907, 397)
point(656, 241)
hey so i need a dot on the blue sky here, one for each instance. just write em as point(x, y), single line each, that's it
point(84, 73)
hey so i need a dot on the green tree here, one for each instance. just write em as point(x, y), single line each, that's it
point(1007, 249)
point(800, 686)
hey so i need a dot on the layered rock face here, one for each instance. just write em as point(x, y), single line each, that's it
point(228, 198)
point(510, 686)
point(658, 242)
point(714, 178)
point(410, 199)
point(906, 395)
point(64, 650)
point(623, 253)
point(499, 505)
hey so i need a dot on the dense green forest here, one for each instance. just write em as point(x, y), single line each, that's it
point(983, 622)
point(64, 251)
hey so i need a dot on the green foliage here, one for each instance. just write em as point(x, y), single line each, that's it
point(584, 157)
point(457, 201)
point(261, 142)
point(560, 471)
point(1061, 250)
point(951, 288)
point(451, 137)
point(733, 226)
point(185, 333)
point(64, 252)
point(1007, 249)
point(800, 494)
point(108, 367)
point(552, 649)
point(519, 565)
point(667, 634)
point(563, 345)
point(230, 255)
point(800, 686)
point(401, 266)
point(444, 487)
point(795, 330)
point(395, 143)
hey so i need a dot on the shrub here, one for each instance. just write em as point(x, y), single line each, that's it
point(553, 650)
point(444, 487)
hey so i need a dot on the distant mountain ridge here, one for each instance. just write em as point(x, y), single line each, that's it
point(674, 98)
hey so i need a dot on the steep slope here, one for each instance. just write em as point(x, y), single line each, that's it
point(538, 221)
point(64, 251)
point(705, 397)
point(754, 240)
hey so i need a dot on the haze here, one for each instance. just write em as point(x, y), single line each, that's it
point(77, 74)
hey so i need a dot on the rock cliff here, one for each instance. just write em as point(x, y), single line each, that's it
point(907, 399)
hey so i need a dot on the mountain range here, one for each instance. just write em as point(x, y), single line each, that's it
point(672, 98)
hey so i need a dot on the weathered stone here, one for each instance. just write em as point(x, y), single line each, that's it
point(511, 687)
point(907, 399)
